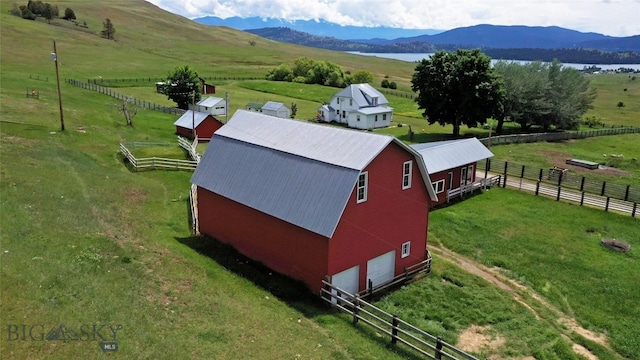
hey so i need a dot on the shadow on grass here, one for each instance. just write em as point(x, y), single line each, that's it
point(294, 292)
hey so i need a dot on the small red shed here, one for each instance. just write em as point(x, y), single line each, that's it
point(310, 200)
point(207, 88)
point(205, 125)
point(452, 165)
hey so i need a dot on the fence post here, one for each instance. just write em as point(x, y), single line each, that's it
point(327, 295)
point(487, 167)
point(626, 193)
point(394, 329)
point(558, 196)
point(356, 307)
point(582, 199)
point(522, 172)
point(606, 208)
point(560, 178)
point(604, 185)
point(370, 287)
point(582, 184)
point(539, 180)
point(439, 348)
point(504, 183)
point(635, 207)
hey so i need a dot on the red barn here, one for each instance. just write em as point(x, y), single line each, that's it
point(207, 88)
point(205, 124)
point(309, 200)
point(452, 165)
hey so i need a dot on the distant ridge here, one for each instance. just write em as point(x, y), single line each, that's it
point(483, 36)
point(318, 28)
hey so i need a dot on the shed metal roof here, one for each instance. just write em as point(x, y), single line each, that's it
point(272, 105)
point(298, 172)
point(191, 118)
point(210, 101)
point(443, 155)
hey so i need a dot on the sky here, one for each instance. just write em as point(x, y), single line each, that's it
point(608, 17)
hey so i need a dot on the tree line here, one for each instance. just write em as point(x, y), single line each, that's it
point(34, 9)
point(462, 88)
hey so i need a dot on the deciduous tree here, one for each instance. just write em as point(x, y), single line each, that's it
point(183, 86)
point(458, 88)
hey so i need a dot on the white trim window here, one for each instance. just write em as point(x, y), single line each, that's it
point(406, 249)
point(438, 186)
point(469, 174)
point(361, 188)
point(407, 168)
point(450, 180)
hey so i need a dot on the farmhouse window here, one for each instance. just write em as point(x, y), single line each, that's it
point(358, 117)
point(338, 100)
point(362, 187)
point(350, 102)
point(406, 249)
point(438, 186)
point(450, 180)
point(344, 114)
point(469, 173)
point(384, 116)
point(406, 174)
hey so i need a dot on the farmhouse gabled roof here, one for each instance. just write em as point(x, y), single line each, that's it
point(191, 118)
point(298, 172)
point(363, 95)
point(443, 155)
point(210, 101)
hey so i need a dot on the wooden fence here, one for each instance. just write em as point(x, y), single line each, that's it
point(562, 186)
point(191, 147)
point(408, 274)
point(193, 206)
point(557, 136)
point(155, 163)
point(398, 330)
point(117, 95)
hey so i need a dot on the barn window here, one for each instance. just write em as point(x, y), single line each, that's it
point(406, 249)
point(438, 186)
point(406, 174)
point(362, 187)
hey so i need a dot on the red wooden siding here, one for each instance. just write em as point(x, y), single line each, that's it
point(444, 175)
point(390, 217)
point(205, 130)
point(283, 247)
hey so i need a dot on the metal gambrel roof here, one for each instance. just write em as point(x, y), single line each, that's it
point(298, 172)
point(362, 95)
point(353, 149)
point(191, 118)
point(443, 155)
point(301, 191)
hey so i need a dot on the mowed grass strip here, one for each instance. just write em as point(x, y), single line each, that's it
point(555, 249)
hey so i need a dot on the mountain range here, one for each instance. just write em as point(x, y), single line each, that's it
point(524, 42)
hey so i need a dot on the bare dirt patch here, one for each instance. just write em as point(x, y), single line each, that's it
point(478, 336)
point(559, 159)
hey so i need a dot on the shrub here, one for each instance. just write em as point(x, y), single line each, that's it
point(393, 85)
point(384, 83)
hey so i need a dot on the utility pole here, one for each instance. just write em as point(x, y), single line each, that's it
point(193, 113)
point(54, 57)
point(226, 107)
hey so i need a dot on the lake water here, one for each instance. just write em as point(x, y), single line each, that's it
point(413, 57)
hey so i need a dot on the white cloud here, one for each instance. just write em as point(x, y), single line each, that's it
point(609, 17)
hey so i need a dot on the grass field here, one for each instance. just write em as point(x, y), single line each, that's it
point(85, 241)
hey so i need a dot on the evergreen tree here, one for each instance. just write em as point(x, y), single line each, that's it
point(107, 29)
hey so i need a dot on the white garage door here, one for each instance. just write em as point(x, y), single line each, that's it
point(381, 268)
point(347, 280)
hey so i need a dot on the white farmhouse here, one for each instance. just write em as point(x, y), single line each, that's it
point(359, 106)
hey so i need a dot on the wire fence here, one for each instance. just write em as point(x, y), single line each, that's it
point(153, 80)
point(142, 103)
point(557, 136)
